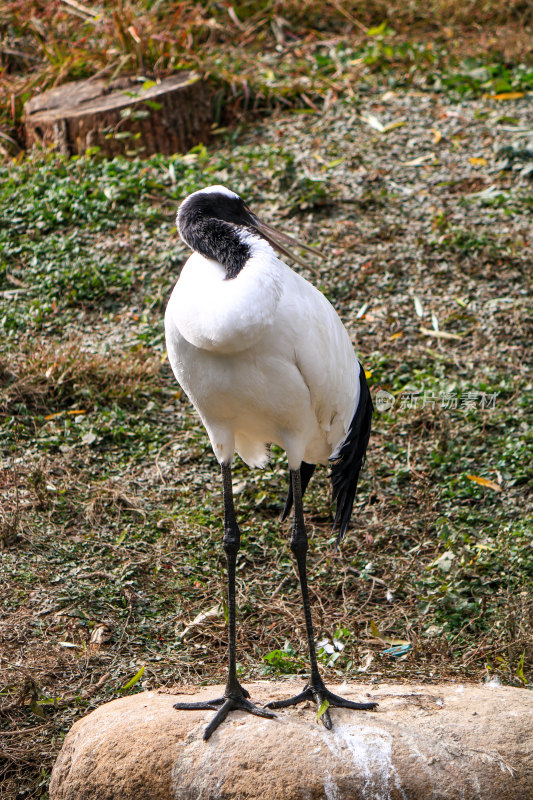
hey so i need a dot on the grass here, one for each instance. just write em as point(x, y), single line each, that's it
point(110, 521)
point(260, 56)
point(112, 498)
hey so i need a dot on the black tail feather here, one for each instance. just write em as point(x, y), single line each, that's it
point(306, 471)
point(347, 464)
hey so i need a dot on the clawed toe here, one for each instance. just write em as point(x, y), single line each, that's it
point(319, 694)
point(223, 705)
point(211, 704)
point(291, 701)
point(337, 701)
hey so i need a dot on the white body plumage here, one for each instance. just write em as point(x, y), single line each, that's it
point(263, 357)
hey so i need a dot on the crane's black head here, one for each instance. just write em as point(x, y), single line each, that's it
point(218, 224)
point(214, 202)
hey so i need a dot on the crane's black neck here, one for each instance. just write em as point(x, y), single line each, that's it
point(216, 226)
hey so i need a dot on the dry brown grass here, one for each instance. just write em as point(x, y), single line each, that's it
point(50, 376)
point(43, 44)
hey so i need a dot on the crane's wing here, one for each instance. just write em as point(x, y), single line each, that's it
point(324, 356)
point(338, 389)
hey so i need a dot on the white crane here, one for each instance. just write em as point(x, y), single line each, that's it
point(264, 358)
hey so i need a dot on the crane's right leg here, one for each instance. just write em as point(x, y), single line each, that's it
point(235, 696)
point(315, 689)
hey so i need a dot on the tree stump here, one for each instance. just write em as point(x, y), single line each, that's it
point(129, 115)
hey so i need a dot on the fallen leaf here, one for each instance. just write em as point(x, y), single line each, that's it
point(393, 125)
point(136, 678)
point(478, 162)
point(506, 96)
point(101, 634)
point(377, 634)
point(334, 163)
point(373, 121)
point(234, 18)
point(437, 135)
point(440, 334)
point(323, 708)
point(199, 618)
point(485, 482)
point(366, 662)
point(36, 708)
point(132, 30)
point(417, 162)
point(418, 306)
point(444, 562)
point(490, 193)
point(361, 311)
point(396, 335)
point(433, 630)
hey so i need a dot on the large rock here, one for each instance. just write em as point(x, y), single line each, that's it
point(435, 742)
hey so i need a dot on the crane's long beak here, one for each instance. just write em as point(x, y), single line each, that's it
point(281, 241)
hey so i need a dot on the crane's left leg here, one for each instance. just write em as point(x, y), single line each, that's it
point(235, 696)
point(315, 688)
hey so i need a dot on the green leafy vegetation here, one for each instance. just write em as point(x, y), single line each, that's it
point(474, 77)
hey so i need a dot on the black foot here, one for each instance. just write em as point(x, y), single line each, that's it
point(232, 701)
point(319, 693)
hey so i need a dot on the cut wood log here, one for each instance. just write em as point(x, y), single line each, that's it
point(129, 115)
